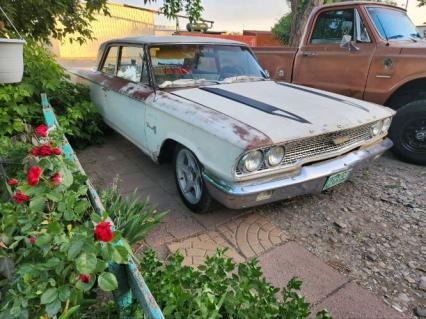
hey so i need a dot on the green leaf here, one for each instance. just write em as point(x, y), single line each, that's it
point(70, 312)
point(54, 196)
point(37, 203)
point(75, 249)
point(43, 240)
point(54, 228)
point(119, 254)
point(49, 296)
point(53, 308)
point(107, 281)
point(95, 218)
point(67, 178)
point(64, 293)
point(86, 263)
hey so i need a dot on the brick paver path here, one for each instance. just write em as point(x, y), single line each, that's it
point(246, 233)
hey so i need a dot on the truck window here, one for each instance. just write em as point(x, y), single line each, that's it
point(110, 61)
point(392, 24)
point(132, 65)
point(331, 26)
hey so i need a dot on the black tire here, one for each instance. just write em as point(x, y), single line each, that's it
point(202, 204)
point(407, 131)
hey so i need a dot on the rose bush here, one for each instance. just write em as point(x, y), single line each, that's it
point(59, 246)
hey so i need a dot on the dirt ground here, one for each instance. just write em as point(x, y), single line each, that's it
point(372, 228)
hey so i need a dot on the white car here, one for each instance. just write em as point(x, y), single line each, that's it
point(232, 134)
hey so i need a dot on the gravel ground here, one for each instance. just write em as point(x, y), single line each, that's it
point(372, 228)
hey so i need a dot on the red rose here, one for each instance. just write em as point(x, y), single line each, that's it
point(56, 151)
point(85, 278)
point(44, 150)
point(35, 151)
point(56, 179)
point(34, 175)
point(20, 197)
point(12, 182)
point(32, 240)
point(103, 232)
point(41, 130)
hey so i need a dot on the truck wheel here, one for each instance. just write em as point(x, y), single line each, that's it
point(189, 180)
point(408, 132)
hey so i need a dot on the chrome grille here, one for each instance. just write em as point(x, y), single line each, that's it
point(320, 147)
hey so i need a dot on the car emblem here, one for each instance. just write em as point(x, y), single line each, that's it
point(340, 140)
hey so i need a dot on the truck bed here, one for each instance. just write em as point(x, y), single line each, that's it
point(277, 60)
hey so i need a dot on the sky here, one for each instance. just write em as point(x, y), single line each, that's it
point(236, 15)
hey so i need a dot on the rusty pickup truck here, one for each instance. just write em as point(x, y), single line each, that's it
point(366, 50)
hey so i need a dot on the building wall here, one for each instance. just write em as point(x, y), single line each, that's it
point(123, 21)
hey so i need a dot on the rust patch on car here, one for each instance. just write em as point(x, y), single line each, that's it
point(251, 136)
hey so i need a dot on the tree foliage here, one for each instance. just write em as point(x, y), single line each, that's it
point(282, 28)
point(41, 19)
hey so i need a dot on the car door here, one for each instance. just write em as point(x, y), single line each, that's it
point(127, 93)
point(322, 62)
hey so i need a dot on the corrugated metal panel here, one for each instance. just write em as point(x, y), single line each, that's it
point(123, 21)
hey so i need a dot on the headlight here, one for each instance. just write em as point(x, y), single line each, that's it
point(275, 155)
point(251, 161)
point(386, 124)
point(376, 128)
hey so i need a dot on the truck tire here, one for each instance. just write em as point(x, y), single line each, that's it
point(408, 132)
point(189, 180)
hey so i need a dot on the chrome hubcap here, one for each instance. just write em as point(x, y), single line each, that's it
point(189, 176)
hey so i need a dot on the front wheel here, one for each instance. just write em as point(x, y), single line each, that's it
point(189, 181)
point(408, 132)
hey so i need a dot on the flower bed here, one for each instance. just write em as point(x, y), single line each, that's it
point(60, 248)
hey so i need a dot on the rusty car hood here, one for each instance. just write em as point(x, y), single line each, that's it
point(284, 111)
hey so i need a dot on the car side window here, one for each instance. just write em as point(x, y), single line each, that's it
point(331, 26)
point(110, 61)
point(132, 65)
point(361, 30)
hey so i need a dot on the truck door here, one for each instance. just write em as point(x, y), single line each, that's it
point(323, 63)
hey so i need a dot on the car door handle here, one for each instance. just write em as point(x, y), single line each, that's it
point(310, 53)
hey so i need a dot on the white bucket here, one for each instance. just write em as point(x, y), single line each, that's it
point(11, 60)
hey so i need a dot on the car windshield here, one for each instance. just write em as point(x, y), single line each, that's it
point(393, 24)
point(195, 64)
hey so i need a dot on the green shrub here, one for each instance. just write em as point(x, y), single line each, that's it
point(131, 216)
point(20, 103)
point(220, 289)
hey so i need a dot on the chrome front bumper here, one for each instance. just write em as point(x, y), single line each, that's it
point(309, 179)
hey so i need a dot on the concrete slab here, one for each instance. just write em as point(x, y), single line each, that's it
point(292, 260)
point(352, 301)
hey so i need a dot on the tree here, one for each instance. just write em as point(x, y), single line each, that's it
point(282, 28)
point(41, 19)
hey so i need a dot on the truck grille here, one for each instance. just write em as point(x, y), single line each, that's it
point(321, 147)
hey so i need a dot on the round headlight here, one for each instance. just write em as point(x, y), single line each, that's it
point(376, 128)
point(386, 124)
point(275, 155)
point(252, 161)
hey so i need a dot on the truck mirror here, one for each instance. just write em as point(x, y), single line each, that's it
point(347, 43)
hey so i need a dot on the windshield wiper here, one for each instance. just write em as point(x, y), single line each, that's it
point(242, 78)
point(185, 82)
point(398, 36)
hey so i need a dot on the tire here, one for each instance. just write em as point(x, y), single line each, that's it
point(408, 132)
point(189, 180)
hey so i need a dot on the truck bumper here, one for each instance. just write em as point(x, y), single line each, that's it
point(309, 179)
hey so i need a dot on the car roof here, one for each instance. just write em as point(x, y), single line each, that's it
point(171, 40)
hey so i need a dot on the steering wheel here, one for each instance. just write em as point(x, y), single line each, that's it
point(229, 71)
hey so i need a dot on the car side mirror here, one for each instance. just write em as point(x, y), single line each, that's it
point(347, 43)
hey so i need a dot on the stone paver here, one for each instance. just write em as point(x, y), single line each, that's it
point(195, 249)
point(292, 260)
point(252, 235)
point(354, 302)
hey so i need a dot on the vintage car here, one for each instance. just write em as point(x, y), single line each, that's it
point(232, 134)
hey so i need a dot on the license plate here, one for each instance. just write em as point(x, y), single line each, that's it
point(336, 179)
